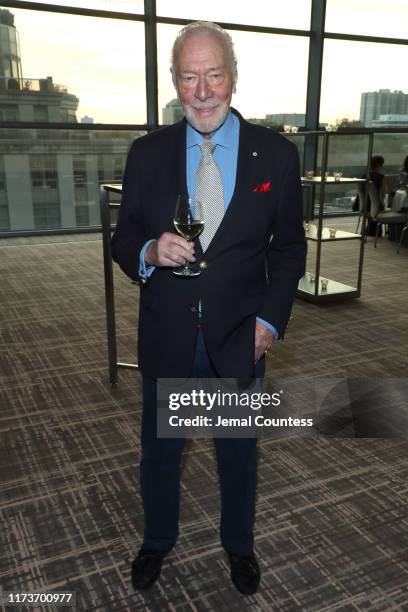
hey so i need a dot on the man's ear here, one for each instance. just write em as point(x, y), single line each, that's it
point(234, 85)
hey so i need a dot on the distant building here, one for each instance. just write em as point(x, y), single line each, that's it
point(10, 63)
point(391, 121)
point(172, 112)
point(380, 103)
point(87, 119)
point(36, 100)
point(294, 119)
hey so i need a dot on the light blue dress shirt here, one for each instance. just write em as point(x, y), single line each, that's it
point(226, 155)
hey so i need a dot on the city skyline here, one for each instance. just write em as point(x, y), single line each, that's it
point(111, 84)
point(377, 109)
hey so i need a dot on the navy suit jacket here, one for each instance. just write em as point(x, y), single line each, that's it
point(254, 261)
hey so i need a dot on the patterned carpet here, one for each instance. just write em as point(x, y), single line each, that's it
point(332, 527)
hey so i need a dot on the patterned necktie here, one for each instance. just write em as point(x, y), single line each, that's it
point(209, 191)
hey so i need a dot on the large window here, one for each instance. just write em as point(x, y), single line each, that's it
point(289, 14)
point(9, 112)
point(81, 192)
point(44, 171)
point(79, 171)
point(44, 191)
point(279, 90)
point(369, 18)
point(72, 69)
point(79, 69)
point(351, 69)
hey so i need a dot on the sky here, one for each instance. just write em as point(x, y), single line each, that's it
point(102, 60)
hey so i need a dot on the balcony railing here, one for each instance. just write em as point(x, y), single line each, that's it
point(93, 155)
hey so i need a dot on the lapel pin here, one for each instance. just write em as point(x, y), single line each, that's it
point(254, 153)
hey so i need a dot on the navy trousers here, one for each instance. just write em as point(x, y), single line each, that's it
point(160, 474)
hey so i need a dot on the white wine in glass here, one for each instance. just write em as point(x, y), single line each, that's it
point(189, 223)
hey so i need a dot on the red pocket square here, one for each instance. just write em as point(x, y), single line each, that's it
point(263, 187)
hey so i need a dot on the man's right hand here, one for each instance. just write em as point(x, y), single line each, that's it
point(170, 250)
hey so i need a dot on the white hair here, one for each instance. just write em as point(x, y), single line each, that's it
point(205, 27)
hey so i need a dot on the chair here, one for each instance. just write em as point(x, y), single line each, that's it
point(389, 183)
point(381, 216)
point(400, 200)
point(361, 196)
point(404, 229)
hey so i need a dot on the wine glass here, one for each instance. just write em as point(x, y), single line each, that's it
point(189, 223)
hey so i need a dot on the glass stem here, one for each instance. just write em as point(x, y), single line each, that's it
point(187, 264)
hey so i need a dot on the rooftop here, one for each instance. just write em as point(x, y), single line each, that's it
point(45, 85)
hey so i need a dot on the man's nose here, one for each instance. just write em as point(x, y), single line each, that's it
point(203, 90)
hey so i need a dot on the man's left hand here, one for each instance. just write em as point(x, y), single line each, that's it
point(263, 340)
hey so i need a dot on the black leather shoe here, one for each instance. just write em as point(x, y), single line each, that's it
point(146, 567)
point(245, 573)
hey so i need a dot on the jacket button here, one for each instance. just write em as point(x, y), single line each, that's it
point(203, 265)
point(193, 309)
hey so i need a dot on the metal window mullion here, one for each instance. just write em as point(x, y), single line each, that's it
point(315, 63)
point(151, 64)
point(314, 79)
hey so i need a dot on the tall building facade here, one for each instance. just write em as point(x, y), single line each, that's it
point(382, 102)
point(10, 62)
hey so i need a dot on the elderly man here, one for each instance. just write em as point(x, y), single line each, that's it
point(221, 322)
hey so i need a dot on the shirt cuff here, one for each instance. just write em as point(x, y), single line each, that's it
point(145, 271)
point(273, 329)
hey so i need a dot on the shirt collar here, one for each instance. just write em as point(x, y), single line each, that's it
point(223, 136)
